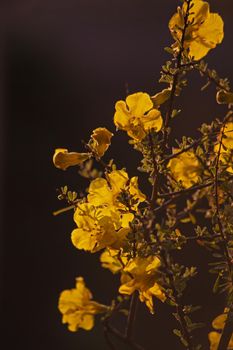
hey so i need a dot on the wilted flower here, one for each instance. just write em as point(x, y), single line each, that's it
point(63, 159)
point(100, 141)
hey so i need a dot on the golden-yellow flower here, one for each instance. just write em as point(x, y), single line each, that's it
point(78, 308)
point(214, 336)
point(100, 141)
point(137, 116)
point(185, 168)
point(63, 159)
point(97, 228)
point(140, 274)
point(106, 192)
point(203, 33)
point(113, 260)
point(226, 150)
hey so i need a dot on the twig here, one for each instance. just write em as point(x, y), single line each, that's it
point(186, 190)
point(154, 192)
point(228, 328)
point(223, 238)
point(123, 338)
point(227, 332)
point(131, 316)
point(179, 306)
point(176, 76)
point(207, 73)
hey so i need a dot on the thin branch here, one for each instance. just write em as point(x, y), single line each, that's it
point(123, 338)
point(154, 192)
point(186, 190)
point(228, 328)
point(131, 316)
point(223, 238)
point(207, 73)
point(179, 306)
point(176, 76)
point(227, 332)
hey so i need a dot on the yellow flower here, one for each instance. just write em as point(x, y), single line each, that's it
point(97, 228)
point(78, 308)
point(214, 337)
point(203, 33)
point(113, 260)
point(100, 141)
point(98, 144)
point(224, 97)
point(104, 192)
point(141, 274)
point(62, 159)
point(137, 116)
point(226, 151)
point(185, 168)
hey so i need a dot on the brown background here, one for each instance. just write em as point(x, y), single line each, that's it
point(63, 65)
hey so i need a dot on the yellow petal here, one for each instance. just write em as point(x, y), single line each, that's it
point(228, 139)
point(199, 12)
point(121, 116)
point(109, 260)
point(127, 288)
point(137, 133)
point(161, 97)
point(117, 180)
point(62, 159)
point(146, 297)
point(137, 195)
point(139, 103)
point(84, 216)
point(100, 141)
point(87, 322)
point(157, 292)
point(119, 238)
point(214, 338)
point(174, 24)
point(198, 48)
point(126, 219)
point(212, 30)
point(152, 121)
point(86, 240)
point(219, 322)
point(100, 193)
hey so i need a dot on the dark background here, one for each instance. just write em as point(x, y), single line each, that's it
point(63, 65)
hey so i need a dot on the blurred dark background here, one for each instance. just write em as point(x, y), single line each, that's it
point(63, 65)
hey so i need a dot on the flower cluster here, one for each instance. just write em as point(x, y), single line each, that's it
point(103, 220)
point(140, 236)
